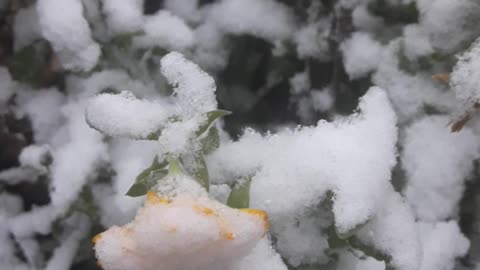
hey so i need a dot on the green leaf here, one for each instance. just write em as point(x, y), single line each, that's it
point(240, 195)
point(30, 64)
point(200, 171)
point(211, 141)
point(211, 116)
point(334, 241)
point(148, 178)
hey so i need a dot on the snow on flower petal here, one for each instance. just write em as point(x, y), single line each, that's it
point(164, 232)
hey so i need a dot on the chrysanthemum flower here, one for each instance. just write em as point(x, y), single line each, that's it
point(182, 233)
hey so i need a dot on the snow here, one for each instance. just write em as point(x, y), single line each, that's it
point(437, 163)
point(125, 16)
point(410, 93)
point(360, 54)
point(416, 43)
point(125, 115)
point(301, 241)
point(394, 232)
point(164, 232)
point(165, 30)
point(194, 89)
point(442, 244)
point(465, 76)
point(185, 9)
point(43, 109)
point(266, 19)
point(262, 257)
point(63, 256)
point(62, 23)
point(210, 52)
point(449, 24)
point(10, 205)
point(317, 158)
point(35, 156)
point(178, 185)
point(312, 40)
point(356, 261)
point(322, 100)
point(176, 138)
point(299, 83)
point(310, 180)
point(128, 159)
point(25, 27)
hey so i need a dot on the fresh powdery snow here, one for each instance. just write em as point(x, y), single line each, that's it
point(62, 23)
point(361, 54)
point(288, 163)
point(165, 30)
point(163, 233)
point(264, 18)
point(465, 78)
point(125, 115)
point(124, 16)
point(125, 83)
point(436, 163)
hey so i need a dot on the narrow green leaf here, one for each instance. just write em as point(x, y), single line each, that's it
point(240, 195)
point(211, 116)
point(211, 141)
point(148, 178)
point(200, 171)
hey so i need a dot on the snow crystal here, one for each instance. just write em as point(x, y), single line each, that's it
point(124, 16)
point(361, 54)
point(442, 244)
point(125, 115)
point(194, 90)
point(62, 23)
point(267, 19)
point(437, 163)
point(165, 30)
point(352, 157)
point(164, 233)
point(465, 78)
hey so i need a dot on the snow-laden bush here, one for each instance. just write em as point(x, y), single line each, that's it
point(235, 134)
